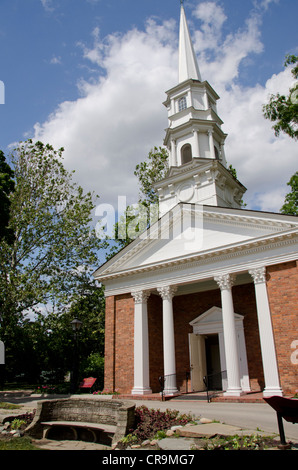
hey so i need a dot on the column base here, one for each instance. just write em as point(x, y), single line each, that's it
point(171, 391)
point(141, 391)
point(270, 392)
point(233, 393)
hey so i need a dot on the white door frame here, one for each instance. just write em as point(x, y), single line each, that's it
point(210, 322)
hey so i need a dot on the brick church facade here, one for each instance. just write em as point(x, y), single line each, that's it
point(282, 282)
point(210, 287)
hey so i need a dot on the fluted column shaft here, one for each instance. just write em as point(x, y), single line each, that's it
point(270, 368)
point(141, 344)
point(167, 294)
point(225, 283)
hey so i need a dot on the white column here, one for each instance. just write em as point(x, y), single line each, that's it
point(222, 154)
point(225, 282)
point(167, 293)
point(173, 153)
point(272, 384)
point(141, 344)
point(196, 150)
point(211, 144)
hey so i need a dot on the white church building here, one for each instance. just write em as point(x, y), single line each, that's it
point(210, 288)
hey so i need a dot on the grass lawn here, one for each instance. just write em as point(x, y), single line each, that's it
point(9, 406)
point(17, 443)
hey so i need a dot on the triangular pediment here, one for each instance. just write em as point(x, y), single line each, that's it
point(190, 231)
point(213, 315)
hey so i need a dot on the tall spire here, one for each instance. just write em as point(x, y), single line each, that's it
point(188, 65)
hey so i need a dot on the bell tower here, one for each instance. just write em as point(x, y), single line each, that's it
point(195, 140)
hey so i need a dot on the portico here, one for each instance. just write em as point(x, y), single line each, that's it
point(234, 385)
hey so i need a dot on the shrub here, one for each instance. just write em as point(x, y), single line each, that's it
point(148, 422)
point(25, 418)
point(17, 423)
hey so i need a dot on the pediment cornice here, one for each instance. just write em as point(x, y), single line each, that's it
point(242, 249)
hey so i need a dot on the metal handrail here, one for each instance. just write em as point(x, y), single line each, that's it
point(207, 380)
point(162, 381)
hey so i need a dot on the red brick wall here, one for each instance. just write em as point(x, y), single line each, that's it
point(109, 344)
point(119, 343)
point(282, 282)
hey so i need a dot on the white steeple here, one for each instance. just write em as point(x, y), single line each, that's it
point(194, 138)
point(188, 64)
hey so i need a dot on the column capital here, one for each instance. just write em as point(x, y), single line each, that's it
point(258, 275)
point(141, 296)
point(225, 281)
point(167, 292)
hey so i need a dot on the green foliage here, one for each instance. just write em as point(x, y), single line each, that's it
point(290, 206)
point(93, 366)
point(232, 170)
point(9, 406)
point(19, 443)
point(47, 269)
point(253, 442)
point(151, 171)
point(6, 188)
point(17, 423)
point(283, 110)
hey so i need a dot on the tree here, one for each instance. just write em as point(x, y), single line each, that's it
point(149, 172)
point(283, 110)
point(290, 206)
point(6, 187)
point(49, 345)
point(54, 246)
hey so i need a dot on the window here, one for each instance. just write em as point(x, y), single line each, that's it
point(186, 154)
point(216, 153)
point(182, 103)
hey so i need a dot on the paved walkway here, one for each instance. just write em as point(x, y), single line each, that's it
point(232, 417)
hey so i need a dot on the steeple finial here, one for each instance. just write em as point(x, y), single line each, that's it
point(188, 65)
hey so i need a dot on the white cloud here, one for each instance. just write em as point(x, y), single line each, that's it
point(264, 163)
point(55, 60)
point(48, 5)
point(119, 117)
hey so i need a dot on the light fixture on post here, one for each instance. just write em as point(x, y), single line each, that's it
point(76, 326)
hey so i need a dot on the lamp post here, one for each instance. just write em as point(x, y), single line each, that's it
point(76, 326)
point(2, 358)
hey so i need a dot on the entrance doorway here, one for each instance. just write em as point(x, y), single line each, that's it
point(213, 362)
point(207, 351)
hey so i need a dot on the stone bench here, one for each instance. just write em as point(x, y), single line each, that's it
point(92, 419)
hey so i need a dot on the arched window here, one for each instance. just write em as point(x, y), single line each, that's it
point(182, 103)
point(186, 154)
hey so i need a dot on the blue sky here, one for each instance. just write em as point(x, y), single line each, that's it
point(91, 76)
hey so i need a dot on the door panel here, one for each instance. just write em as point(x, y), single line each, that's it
point(197, 361)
